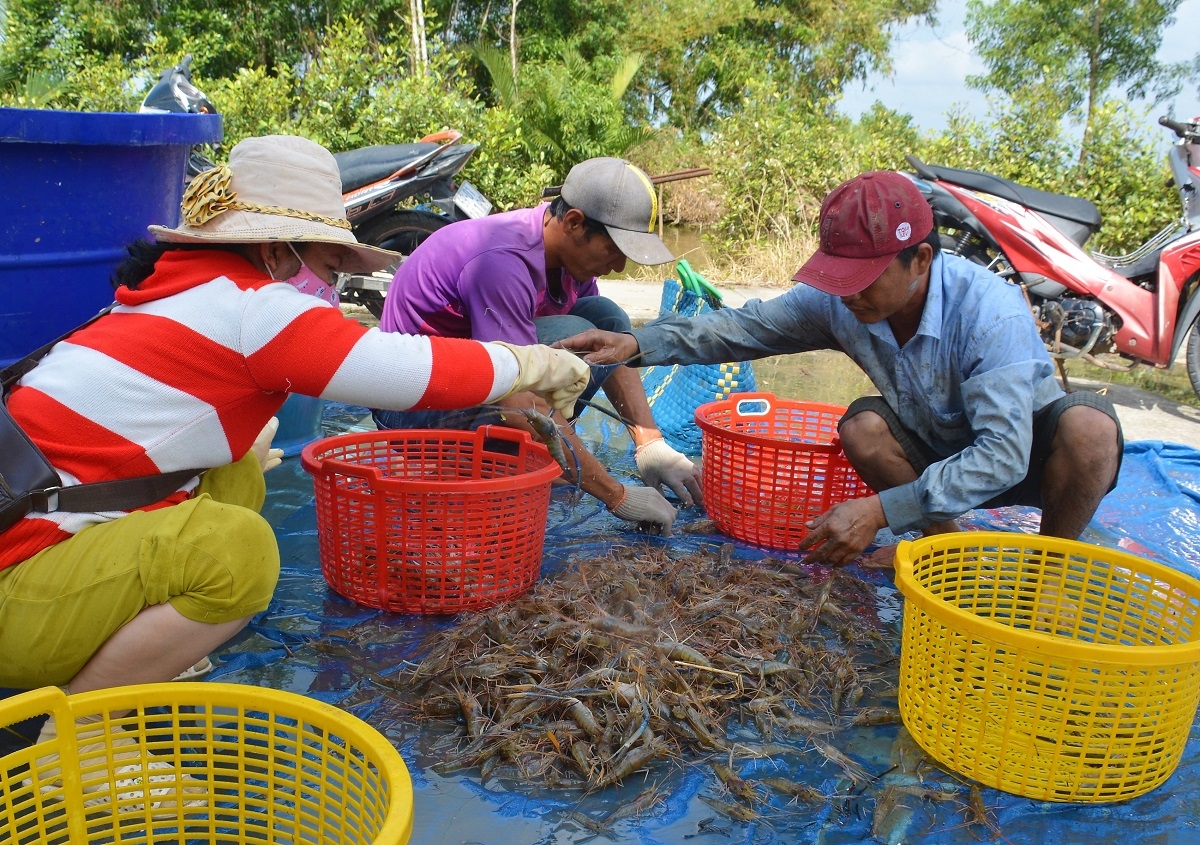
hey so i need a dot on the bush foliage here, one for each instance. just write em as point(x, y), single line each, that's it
point(775, 152)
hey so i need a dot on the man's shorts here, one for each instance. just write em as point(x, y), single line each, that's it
point(1028, 491)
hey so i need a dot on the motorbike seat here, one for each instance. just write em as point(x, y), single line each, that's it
point(370, 164)
point(1060, 205)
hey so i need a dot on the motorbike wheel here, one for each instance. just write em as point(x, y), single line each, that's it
point(1193, 357)
point(401, 231)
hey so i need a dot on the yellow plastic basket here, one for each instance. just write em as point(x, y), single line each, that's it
point(259, 765)
point(1047, 668)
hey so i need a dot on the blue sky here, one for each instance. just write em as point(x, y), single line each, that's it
point(931, 65)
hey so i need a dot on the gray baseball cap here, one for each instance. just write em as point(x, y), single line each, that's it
point(614, 192)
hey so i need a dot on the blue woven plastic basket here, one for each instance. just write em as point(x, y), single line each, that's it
point(676, 391)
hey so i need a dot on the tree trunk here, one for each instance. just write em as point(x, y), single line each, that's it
point(1093, 86)
point(512, 41)
point(420, 53)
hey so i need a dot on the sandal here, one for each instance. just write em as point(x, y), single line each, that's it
point(128, 780)
point(198, 670)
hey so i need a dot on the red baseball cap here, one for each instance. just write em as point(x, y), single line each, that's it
point(865, 223)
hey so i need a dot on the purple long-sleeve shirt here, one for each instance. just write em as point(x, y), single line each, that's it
point(483, 279)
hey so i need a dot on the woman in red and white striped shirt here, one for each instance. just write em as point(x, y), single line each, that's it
point(204, 345)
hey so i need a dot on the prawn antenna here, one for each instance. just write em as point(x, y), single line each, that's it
point(606, 411)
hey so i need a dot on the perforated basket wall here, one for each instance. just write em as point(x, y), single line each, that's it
point(1047, 668)
point(252, 764)
point(431, 521)
point(770, 465)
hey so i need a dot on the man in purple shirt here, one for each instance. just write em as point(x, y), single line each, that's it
point(529, 276)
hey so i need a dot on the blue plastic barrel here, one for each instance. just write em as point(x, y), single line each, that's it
point(77, 188)
point(299, 423)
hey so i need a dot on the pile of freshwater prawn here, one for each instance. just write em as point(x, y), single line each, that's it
point(639, 656)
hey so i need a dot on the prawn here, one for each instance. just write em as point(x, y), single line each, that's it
point(549, 436)
point(735, 783)
point(636, 759)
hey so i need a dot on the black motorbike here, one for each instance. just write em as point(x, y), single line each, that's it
point(396, 195)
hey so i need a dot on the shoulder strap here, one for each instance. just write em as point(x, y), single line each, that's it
point(123, 494)
point(14, 371)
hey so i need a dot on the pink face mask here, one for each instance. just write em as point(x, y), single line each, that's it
point(306, 281)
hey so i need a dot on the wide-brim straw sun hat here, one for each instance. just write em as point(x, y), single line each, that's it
point(275, 188)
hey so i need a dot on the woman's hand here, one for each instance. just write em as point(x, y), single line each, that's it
point(268, 458)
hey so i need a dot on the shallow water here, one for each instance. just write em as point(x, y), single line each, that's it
point(820, 376)
point(684, 242)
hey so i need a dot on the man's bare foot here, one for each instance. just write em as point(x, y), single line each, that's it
point(882, 558)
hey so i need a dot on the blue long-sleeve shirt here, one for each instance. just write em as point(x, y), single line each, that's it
point(967, 383)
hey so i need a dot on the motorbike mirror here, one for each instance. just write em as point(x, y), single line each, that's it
point(174, 92)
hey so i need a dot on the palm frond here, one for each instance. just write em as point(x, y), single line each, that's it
point(39, 90)
point(625, 73)
point(499, 67)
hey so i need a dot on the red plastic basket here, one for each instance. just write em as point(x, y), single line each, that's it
point(431, 521)
point(770, 465)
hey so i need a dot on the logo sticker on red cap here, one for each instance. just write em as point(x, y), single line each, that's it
point(903, 231)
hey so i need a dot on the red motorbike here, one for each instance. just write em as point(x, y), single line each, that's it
point(1140, 306)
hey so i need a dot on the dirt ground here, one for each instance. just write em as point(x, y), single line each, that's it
point(1144, 415)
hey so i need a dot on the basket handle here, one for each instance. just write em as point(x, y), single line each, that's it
point(754, 404)
point(52, 701)
point(38, 702)
point(502, 432)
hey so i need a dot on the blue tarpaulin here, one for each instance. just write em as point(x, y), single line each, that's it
point(314, 642)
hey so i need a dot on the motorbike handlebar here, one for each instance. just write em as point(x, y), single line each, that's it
point(1179, 128)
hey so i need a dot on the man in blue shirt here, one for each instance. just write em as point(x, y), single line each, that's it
point(969, 412)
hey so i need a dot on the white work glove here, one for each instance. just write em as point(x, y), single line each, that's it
point(647, 507)
point(269, 458)
point(659, 464)
point(556, 375)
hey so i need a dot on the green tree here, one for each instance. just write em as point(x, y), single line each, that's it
point(700, 55)
point(58, 36)
point(570, 109)
point(704, 54)
point(775, 158)
point(1074, 52)
point(355, 92)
